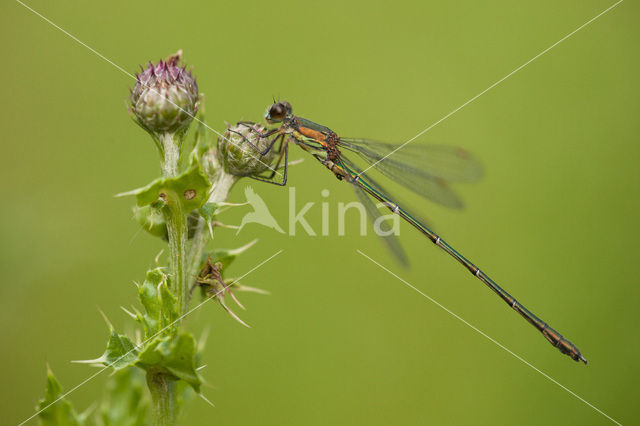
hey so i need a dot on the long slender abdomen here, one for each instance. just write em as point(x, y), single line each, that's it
point(555, 338)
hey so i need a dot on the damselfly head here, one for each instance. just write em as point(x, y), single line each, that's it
point(277, 112)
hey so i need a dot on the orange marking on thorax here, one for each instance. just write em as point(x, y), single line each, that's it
point(313, 134)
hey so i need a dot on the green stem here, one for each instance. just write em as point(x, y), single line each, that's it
point(170, 154)
point(220, 191)
point(177, 227)
point(163, 395)
point(161, 385)
point(178, 231)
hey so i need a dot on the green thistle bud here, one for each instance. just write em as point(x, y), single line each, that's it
point(165, 97)
point(240, 149)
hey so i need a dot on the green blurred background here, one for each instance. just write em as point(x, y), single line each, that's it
point(339, 341)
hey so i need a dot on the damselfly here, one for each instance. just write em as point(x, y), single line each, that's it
point(422, 169)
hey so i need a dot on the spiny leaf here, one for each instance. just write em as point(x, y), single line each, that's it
point(120, 352)
point(149, 356)
point(180, 360)
point(126, 402)
point(151, 220)
point(57, 412)
point(227, 256)
point(208, 211)
point(169, 304)
point(173, 355)
point(148, 291)
point(190, 189)
point(150, 324)
point(158, 301)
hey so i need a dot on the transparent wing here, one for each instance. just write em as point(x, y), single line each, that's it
point(390, 240)
point(450, 163)
point(424, 169)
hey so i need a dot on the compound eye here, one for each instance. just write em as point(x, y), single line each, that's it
point(278, 111)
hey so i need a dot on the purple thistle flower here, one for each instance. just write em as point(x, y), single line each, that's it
point(165, 97)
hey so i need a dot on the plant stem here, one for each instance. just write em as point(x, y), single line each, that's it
point(170, 154)
point(163, 394)
point(177, 228)
point(220, 191)
point(221, 187)
point(162, 386)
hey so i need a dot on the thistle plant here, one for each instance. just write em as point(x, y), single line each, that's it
point(182, 207)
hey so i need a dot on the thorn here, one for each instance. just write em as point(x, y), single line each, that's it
point(210, 229)
point(157, 259)
point(105, 318)
point(235, 299)
point(222, 225)
point(98, 363)
point(131, 314)
point(125, 194)
point(234, 316)
point(201, 367)
point(233, 204)
point(243, 248)
point(209, 402)
point(252, 289)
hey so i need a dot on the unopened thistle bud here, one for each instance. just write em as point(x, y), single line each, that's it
point(165, 97)
point(242, 149)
